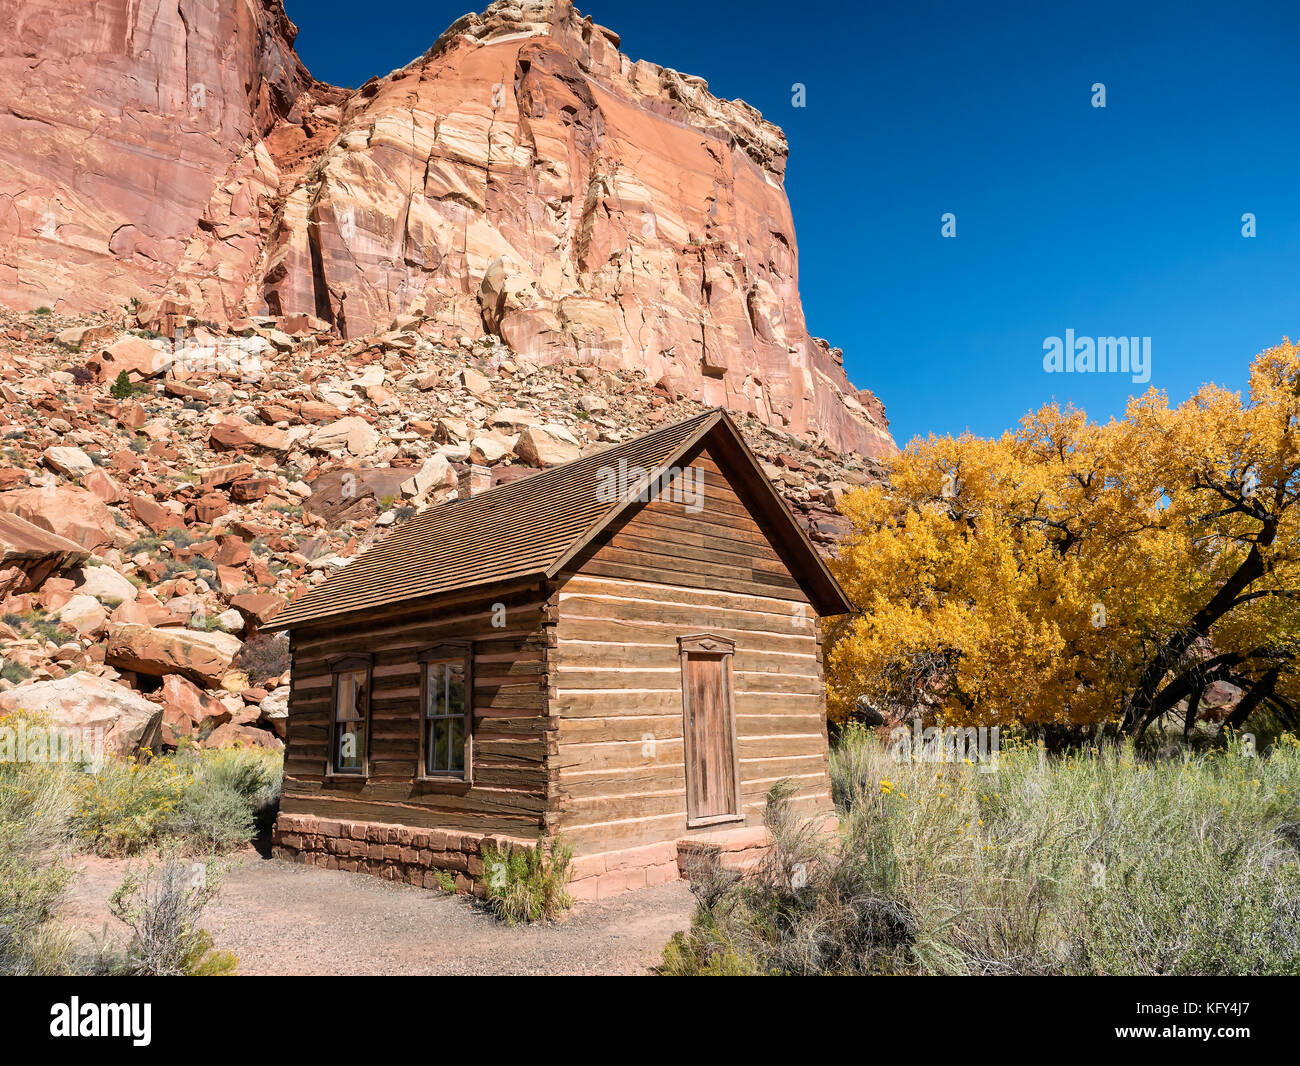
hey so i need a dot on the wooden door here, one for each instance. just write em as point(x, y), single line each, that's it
point(712, 777)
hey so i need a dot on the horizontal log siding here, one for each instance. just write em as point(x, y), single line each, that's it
point(618, 775)
point(510, 687)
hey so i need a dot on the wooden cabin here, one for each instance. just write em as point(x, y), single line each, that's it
point(623, 650)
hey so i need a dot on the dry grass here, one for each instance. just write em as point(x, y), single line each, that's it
point(1096, 862)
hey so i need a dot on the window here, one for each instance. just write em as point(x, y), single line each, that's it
point(446, 714)
point(350, 725)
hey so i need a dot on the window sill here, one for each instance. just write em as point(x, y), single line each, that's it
point(333, 775)
point(442, 783)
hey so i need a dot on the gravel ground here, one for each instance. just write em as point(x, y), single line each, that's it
point(284, 918)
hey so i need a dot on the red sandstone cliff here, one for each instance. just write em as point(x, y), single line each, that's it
point(522, 178)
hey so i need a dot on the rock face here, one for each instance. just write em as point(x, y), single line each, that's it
point(128, 126)
point(522, 179)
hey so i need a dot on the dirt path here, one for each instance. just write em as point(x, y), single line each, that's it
point(283, 918)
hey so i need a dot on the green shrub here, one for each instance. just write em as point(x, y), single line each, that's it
point(39, 814)
point(528, 884)
point(212, 817)
point(122, 389)
point(15, 672)
point(238, 785)
point(125, 806)
point(162, 908)
point(209, 800)
point(35, 833)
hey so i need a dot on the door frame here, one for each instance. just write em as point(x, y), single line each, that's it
point(710, 646)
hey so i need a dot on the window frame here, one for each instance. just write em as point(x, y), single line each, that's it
point(446, 652)
point(339, 666)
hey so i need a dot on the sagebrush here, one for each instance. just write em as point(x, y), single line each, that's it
point(1097, 861)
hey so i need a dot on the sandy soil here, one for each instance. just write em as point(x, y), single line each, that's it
point(283, 918)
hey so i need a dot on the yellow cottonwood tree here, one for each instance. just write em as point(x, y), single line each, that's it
point(1076, 574)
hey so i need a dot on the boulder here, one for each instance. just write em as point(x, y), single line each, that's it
point(66, 511)
point(513, 417)
point(547, 446)
point(70, 462)
point(452, 430)
point(79, 337)
point(352, 492)
point(473, 382)
point(12, 582)
point(491, 447)
point(34, 551)
point(231, 621)
point(153, 514)
point(102, 486)
point(213, 477)
point(138, 357)
point(247, 490)
point(85, 614)
point(434, 474)
point(204, 658)
point(258, 607)
point(354, 435)
point(106, 585)
point(232, 735)
point(274, 709)
point(186, 706)
point(83, 701)
point(234, 434)
point(315, 411)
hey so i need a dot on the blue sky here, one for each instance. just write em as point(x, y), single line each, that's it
point(1125, 220)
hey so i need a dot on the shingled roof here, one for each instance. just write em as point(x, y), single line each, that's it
point(534, 526)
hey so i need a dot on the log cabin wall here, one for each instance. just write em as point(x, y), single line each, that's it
point(667, 570)
point(508, 793)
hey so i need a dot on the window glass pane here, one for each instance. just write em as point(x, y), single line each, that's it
point(455, 688)
point(351, 747)
point(345, 697)
point(433, 689)
point(456, 754)
point(438, 745)
point(351, 704)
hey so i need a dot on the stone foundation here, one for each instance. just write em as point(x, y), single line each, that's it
point(417, 856)
point(610, 873)
point(393, 852)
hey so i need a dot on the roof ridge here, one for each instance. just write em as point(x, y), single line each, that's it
point(582, 458)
